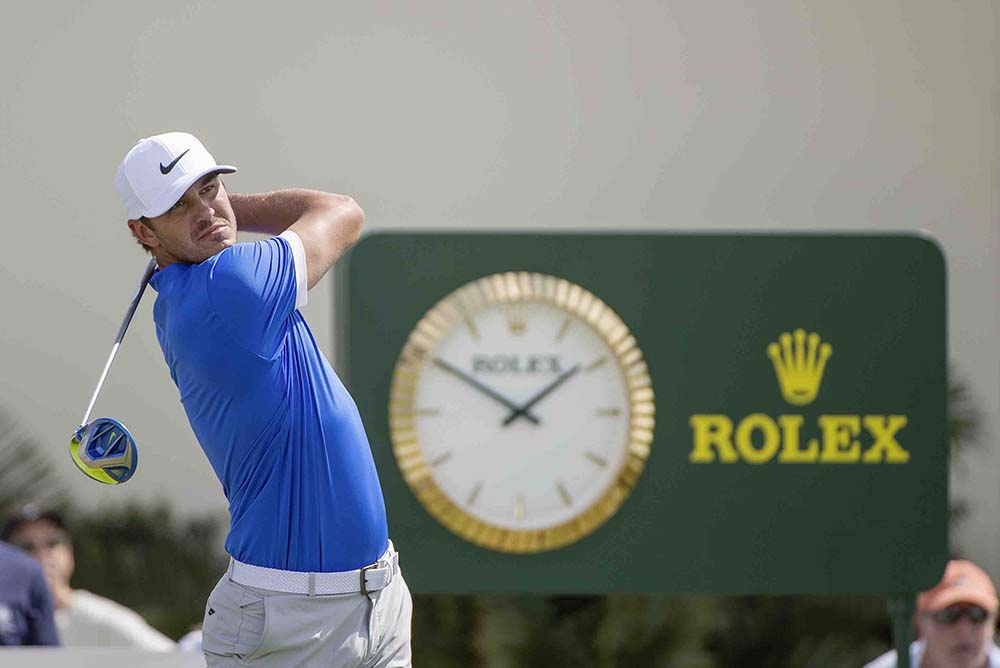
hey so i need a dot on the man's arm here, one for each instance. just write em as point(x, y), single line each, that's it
point(327, 224)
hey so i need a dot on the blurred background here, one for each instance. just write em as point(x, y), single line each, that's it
point(530, 115)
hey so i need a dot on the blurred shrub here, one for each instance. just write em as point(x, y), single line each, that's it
point(26, 474)
point(148, 560)
point(648, 630)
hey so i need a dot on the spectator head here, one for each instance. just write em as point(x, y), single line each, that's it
point(957, 618)
point(44, 535)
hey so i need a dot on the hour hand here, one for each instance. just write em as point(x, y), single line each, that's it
point(523, 410)
point(458, 373)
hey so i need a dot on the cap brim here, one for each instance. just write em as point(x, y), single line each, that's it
point(179, 187)
point(954, 595)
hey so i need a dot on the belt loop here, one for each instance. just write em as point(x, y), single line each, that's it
point(230, 569)
point(312, 584)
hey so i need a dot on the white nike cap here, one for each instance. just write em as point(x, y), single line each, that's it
point(156, 171)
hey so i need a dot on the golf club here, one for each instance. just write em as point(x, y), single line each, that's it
point(103, 449)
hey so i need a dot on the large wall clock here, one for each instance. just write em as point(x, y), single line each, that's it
point(521, 412)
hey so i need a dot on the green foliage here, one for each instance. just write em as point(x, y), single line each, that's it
point(147, 560)
point(648, 630)
point(964, 431)
point(26, 474)
point(444, 630)
point(964, 417)
point(802, 631)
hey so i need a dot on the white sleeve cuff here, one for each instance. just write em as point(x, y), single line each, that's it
point(299, 257)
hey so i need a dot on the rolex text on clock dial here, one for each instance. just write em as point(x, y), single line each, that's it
point(521, 412)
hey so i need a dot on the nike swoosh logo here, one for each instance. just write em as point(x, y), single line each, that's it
point(166, 170)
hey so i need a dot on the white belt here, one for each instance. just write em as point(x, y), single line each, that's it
point(361, 581)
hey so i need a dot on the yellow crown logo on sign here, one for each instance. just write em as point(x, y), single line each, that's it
point(799, 361)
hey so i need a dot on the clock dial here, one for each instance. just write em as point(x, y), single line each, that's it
point(521, 412)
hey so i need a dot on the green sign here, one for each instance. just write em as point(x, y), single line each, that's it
point(715, 413)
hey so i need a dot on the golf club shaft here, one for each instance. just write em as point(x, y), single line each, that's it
point(146, 275)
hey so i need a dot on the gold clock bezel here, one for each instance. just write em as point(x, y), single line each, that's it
point(454, 310)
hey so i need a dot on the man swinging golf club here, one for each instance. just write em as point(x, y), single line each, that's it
point(313, 579)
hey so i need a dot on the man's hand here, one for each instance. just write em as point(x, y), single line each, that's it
point(327, 224)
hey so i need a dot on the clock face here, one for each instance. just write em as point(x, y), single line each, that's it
point(521, 412)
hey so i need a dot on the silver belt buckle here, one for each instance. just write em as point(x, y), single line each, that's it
point(364, 583)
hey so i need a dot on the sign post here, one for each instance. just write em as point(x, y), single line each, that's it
point(901, 608)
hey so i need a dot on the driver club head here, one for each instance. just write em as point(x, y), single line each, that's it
point(104, 450)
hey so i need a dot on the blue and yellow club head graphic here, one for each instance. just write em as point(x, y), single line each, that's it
point(105, 451)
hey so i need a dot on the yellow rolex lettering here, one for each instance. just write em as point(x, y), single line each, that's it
point(839, 438)
point(791, 453)
point(744, 438)
point(759, 438)
point(709, 431)
point(885, 447)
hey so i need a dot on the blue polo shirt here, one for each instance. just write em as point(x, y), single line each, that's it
point(280, 430)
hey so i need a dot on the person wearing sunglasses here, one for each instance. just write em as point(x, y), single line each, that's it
point(83, 619)
point(955, 622)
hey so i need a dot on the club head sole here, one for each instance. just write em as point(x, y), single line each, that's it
point(104, 451)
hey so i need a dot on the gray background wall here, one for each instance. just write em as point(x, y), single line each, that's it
point(791, 114)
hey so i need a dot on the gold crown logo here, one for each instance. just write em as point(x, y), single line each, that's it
point(515, 320)
point(798, 363)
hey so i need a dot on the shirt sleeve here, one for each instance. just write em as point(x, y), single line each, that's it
point(42, 629)
point(255, 287)
point(299, 255)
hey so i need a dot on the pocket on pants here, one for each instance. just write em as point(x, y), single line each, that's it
point(235, 621)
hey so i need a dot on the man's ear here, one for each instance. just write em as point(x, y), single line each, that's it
point(143, 233)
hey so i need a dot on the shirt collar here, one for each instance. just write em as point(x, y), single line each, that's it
point(161, 275)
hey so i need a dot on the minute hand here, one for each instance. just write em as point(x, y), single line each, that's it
point(458, 373)
point(523, 410)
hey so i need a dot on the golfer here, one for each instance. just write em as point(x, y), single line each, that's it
point(313, 578)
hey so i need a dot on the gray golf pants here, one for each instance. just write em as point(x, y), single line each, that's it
point(247, 626)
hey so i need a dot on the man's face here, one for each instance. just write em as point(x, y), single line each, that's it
point(50, 545)
point(962, 643)
point(197, 227)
